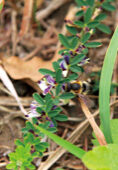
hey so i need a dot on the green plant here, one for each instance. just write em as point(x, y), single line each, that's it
point(45, 111)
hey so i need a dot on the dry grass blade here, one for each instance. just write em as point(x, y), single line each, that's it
point(14, 32)
point(7, 82)
point(27, 14)
point(96, 129)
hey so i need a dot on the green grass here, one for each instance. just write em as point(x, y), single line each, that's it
point(105, 84)
point(78, 152)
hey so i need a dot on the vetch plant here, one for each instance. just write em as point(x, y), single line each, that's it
point(57, 88)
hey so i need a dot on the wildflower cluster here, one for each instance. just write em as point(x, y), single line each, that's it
point(45, 110)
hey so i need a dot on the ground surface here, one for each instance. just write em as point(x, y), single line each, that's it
point(41, 40)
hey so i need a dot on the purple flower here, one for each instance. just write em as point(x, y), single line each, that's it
point(71, 53)
point(47, 89)
point(66, 58)
point(50, 79)
point(54, 107)
point(64, 65)
point(80, 48)
point(65, 62)
point(84, 61)
point(47, 84)
point(63, 87)
point(86, 29)
point(33, 112)
point(51, 124)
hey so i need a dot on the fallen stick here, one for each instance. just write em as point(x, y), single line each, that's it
point(55, 4)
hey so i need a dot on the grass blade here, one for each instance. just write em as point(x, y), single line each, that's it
point(78, 152)
point(105, 84)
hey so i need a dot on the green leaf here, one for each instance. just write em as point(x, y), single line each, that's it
point(61, 117)
point(53, 113)
point(46, 71)
point(78, 152)
point(44, 144)
point(93, 44)
point(104, 28)
point(34, 120)
point(64, 40)
point(52, 130)
point(67, 96)
point(101, 17)
point(79, 24)
point(107, 6)
point(38, 98)
point(58, 89)
point(105, 84)
point(80, 13)
point(58, 75)
point(90, 2)
point(74, 42)
point(40, 148)
point(49, 105)
point(73, 76)
point(31, 167)
point(85, 51)
point(114, 130)
point(18, 142)
point(88, 15)
point(80, 3)
point(93, 24)
point(11, 166)
point(85, 37)
point(29, 126)
point(55, 65)
point(77, 59)
point(48, 97)
point(102, 158)
point(76, 69)
point(63, 51)
point(72, 30)
point(39, 110)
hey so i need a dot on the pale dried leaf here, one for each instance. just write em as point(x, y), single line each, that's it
point(7, 82)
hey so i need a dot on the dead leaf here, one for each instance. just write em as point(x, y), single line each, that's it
point(19, 69)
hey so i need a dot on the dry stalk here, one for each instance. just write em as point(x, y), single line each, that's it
point(27, 14)
point(96, 129)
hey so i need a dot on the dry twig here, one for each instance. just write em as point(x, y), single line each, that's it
point(55, 4)
point(27, 14)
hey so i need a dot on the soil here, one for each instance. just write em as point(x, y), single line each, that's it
point(11, 122)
